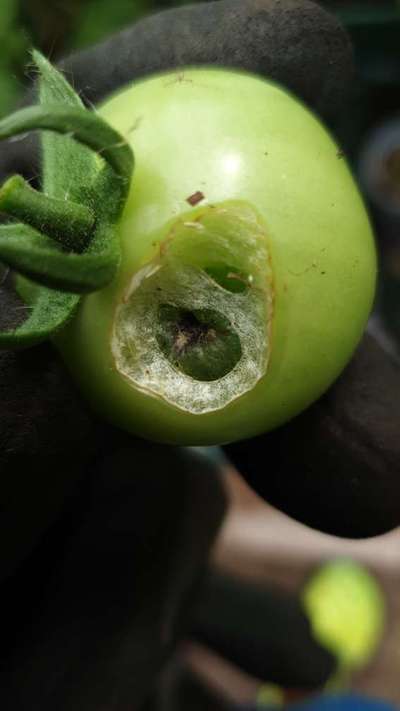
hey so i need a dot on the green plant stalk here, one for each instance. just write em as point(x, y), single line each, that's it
point(64, 221)
point(80, 124)
point(34, 256)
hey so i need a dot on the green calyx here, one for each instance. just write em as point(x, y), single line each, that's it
point(65, 239)
point(59, 219)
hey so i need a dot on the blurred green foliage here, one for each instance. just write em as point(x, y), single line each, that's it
point(13, 45)
point(97, 19)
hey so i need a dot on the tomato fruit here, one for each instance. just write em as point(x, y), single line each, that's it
point(248, 263)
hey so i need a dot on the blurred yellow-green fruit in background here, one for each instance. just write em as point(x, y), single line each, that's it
point(347, 611)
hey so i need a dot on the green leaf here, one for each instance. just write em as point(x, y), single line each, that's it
point(69, 169)
point(61, 151)
point(34, 255)
point(86, 127)
point(49, 312)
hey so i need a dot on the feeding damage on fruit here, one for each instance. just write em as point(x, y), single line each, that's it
point(194, 325)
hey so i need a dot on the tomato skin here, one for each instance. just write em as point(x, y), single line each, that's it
point(235, 137)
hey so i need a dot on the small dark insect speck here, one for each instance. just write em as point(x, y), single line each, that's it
point(179, 79)
point(195, 198)
point(323, 272)
point(135, 124)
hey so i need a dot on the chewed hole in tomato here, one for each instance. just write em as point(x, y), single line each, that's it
point(190, 336)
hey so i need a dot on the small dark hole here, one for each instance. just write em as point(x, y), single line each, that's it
point(201, 343)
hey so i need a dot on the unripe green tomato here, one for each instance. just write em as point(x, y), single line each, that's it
point(248, 263)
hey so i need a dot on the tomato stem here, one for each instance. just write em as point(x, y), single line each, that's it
point(83, 126)
point(62, 220)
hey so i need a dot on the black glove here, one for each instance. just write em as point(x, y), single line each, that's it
point(262, 630)
point(336, 467)
point(132, 524)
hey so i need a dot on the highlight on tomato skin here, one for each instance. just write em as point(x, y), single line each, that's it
point(199, 251)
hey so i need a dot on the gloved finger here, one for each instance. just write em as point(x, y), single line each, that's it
point(335, 467)
point(262, 630)
point(93, 626)
point(296, 43)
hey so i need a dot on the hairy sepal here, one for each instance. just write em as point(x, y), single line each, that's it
point(84, 162)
